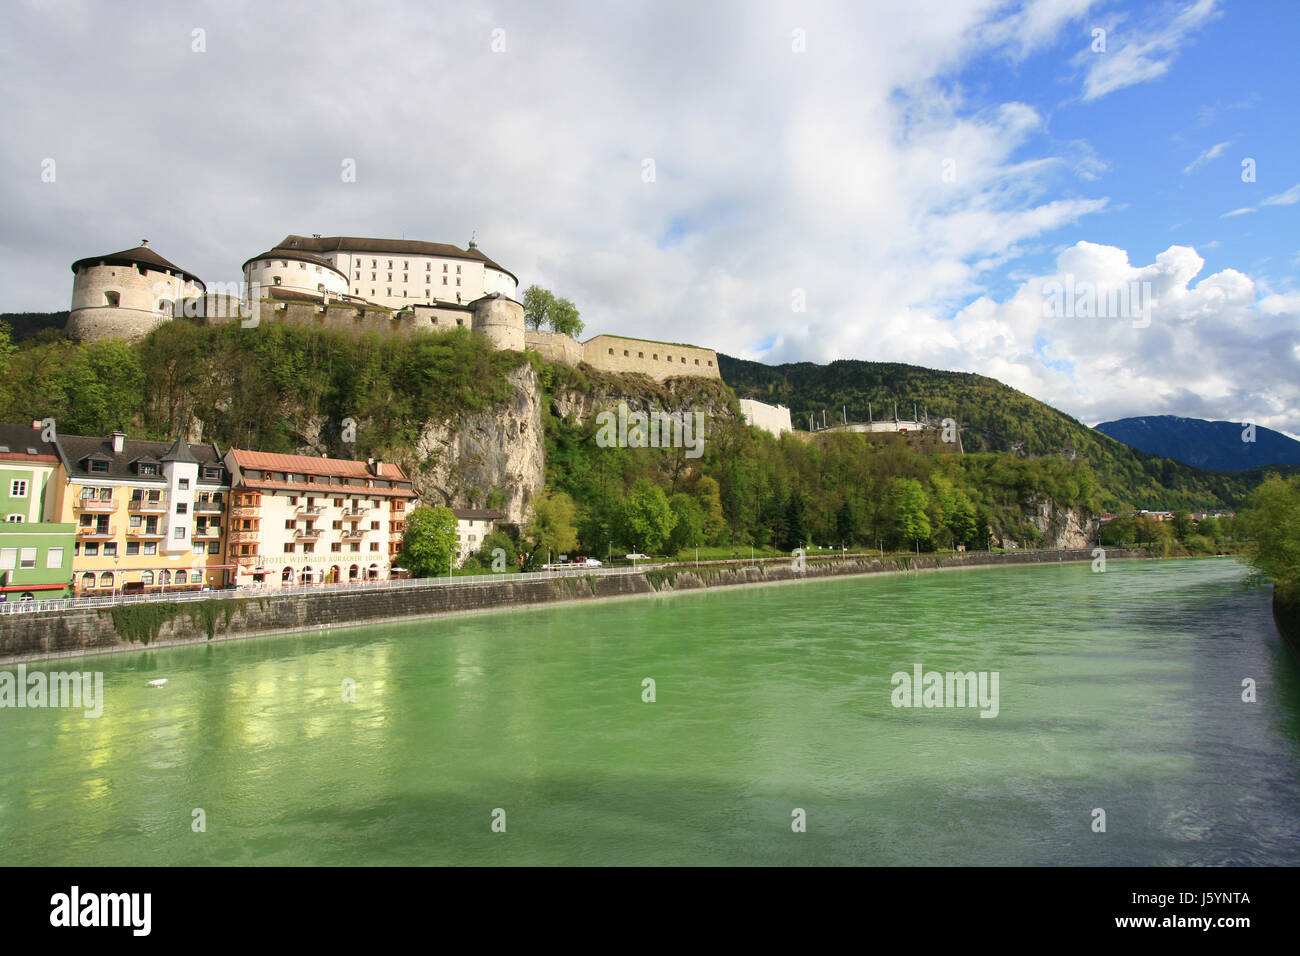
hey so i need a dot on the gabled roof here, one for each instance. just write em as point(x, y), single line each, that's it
point(140, 255)
point(397, 247)
point(309, 465)
point(478, 514)
point(23, 443)
point(75, 450)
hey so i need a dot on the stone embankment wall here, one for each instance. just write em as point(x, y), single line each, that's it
point(27, 636)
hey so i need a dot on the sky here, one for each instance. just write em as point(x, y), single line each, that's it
point(1093, 201)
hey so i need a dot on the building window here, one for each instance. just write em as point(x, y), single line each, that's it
point(182, 507)
point(92, 549)
point(180, 534)
point(146, 578)
point(132, 548)
point(54, 558)
point(444, 280)
point(110, 549)
point(8, 559)
point(150, 548)
point(611, 351)
point(18, 488)
point(14, 518)
point(277, 279)
point(288, 547)
point(184, 484)
point(27, 558)
point(106, 579)
point(112, 299)
point(640, 355)
point(99, 467)
point(214, 547)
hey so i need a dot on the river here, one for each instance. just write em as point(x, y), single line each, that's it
point(1119, 691)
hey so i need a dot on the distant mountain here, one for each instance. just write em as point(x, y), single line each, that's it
point(993, 417)
point(1213, 445)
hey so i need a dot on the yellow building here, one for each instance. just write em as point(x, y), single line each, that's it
point(150, 516)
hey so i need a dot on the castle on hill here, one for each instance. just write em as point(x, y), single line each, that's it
point(394, 285)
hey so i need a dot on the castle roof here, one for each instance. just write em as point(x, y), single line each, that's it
point(280, 252)
point(398, 247)
point(140, 255)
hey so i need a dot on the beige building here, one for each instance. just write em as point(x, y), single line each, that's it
point(149, 515)
point(771, 418)
point(296, 519)
point(472, 526)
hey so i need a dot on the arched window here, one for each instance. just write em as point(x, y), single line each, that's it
point(181, 577)
point(88, 580)
point(112, 299)
point(287, 576)
point(307, 575)
point(354, 572)
point(106, 579)
point(146, 578)
point(164, 577)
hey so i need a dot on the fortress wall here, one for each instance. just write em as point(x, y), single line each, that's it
point(91, 319)
point(555, 346)
point(659, 360)
point(770, 418)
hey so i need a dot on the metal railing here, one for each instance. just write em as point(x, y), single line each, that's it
point(267, 590)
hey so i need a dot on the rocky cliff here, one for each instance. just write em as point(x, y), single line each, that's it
point(1058, 527)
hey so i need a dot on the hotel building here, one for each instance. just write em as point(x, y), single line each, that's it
point(149, 515)
point(302, 520)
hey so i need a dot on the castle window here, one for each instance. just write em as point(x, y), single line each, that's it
point(357, 276)
point(625, 353)
point(611, 351)
point(428, 267)
point(458, 270)
point(112, 299)
point(640, 355)
point(372, 277)
point(458, 280)
point(388, 291)
point(426, 280)
point(683, 359)
point(426, 293)
point(302, 265)
point(444, 280)
point(710, 365)
point(373, 263)
point(444, 267)
point(697, 361)
point(277, 280)
point(406, 264)
point(655, 356)
point(372, 291)
point(390, 263)
point(405, 277)
point(668, 358)
point(390, 276)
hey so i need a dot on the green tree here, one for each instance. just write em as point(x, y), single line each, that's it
point(428, 541)
point(1209, 526)
point(1181, 523)
point(796, 524)
point(909, 503)
point(1271, 524)
point(552, 526)
point(564, 318)
point(688, 524)
point(646, 520)
point(715, 522)
point(105, 388)
point(538, 303)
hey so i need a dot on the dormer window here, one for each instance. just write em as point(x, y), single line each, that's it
point(144, 468)
point(98, 467)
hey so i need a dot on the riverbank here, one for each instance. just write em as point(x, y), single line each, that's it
point(1286, 615)
point(30, 637)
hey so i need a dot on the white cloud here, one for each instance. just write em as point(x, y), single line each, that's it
point(1243, 211)
point(1143, 53)
point(1214, 152)
point(1288, 198)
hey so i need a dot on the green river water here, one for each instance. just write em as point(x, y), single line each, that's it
point(1120, 691)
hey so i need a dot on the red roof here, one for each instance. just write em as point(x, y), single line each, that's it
point(307, 465)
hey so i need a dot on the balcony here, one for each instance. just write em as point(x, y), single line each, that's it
point(101, 505)
point(395, 536)
point(355, 512)
point(148, 506)
point(355, 534)
point(144, 532)
point(208, 533)
point(247, 560)
point(246, 511)
point(307, 534)
point(208, 507)
point(244, 537)
point(96, 532)
point(308, 511)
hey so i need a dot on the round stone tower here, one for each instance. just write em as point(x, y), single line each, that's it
point(126, 294)
point(501, 319)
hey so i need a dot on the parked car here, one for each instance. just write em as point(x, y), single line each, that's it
point(591, 563)
point(637, 557)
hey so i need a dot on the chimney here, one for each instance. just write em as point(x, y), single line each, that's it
point(379, 467)
point(36, 423)
point(119, 442)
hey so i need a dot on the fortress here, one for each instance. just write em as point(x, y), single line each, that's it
point(397, 286)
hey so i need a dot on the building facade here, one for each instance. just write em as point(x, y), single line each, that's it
point(472, 526)
point(771, 418)
point(35, 550)
point(149, 516)
point(297, 520)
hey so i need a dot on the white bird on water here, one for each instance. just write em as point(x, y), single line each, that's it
point(158, 683)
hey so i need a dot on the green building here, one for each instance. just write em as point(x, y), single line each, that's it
point(35, 552)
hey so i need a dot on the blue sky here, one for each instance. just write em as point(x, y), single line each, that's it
point(831, 180)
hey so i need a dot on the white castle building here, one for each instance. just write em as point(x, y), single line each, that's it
point(394, 285)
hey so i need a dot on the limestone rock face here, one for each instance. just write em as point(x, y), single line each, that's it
point(502, 448)
point(1066, 528)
